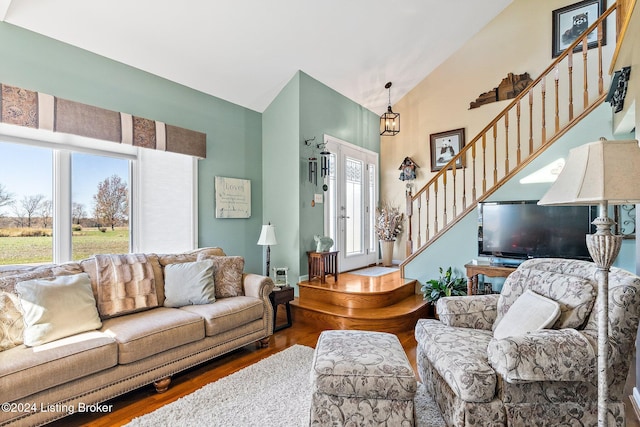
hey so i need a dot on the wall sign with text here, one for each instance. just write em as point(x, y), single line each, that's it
point(233, 197)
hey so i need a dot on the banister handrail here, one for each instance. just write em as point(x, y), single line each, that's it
point(450, 195)
point(518, 98)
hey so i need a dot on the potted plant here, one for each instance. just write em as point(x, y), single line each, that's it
point(447, 285)
point(389, 221)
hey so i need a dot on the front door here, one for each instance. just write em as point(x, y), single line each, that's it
point(350, 206)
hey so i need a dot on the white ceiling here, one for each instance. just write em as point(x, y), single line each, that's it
point(245, 51)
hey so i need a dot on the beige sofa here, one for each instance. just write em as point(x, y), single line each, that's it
point(484, 370)
point(138, 340)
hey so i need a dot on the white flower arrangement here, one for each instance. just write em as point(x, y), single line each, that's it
point(389, 222)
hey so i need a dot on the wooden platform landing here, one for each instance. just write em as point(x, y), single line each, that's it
point(386, 303)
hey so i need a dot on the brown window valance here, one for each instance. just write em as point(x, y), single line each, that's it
point(23, 107)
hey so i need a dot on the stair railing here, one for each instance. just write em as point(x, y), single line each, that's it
point(525, 128)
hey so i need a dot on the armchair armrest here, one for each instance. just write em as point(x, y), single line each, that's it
point(473, 311)
point(256, 285)
point(544, 355)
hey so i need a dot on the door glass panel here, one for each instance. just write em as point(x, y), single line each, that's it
point(99, 205)
point(26, 206)
point(353, 209)
point(331, 200)
point(372, 210)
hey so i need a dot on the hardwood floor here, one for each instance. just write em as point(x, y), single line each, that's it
point(145, 400)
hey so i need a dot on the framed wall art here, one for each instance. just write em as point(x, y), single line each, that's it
point(233, 197)
point(570, 22)
point(444, 146)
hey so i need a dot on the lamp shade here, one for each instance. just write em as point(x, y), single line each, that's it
point(267, 236)
point(602, 171)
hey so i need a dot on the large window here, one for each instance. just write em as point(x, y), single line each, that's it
point(42, 221)
point(99, 205)
point(26, 204)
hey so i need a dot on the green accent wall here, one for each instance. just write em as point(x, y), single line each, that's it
point(325, 111)
point(280, 169)
point(234, 133)
point(304, 109)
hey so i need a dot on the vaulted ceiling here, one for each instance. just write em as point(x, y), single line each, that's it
point(245, 51)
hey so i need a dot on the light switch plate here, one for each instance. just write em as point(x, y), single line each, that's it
point(318, 198)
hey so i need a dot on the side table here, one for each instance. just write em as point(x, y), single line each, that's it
point(323, 264)
point(473, 269)
point(284, 295)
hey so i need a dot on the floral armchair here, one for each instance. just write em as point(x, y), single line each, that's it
point(544, 377)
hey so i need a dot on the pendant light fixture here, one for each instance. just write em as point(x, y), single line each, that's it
point(389, 121)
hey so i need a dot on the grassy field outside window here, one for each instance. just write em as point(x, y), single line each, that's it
point(36, 247)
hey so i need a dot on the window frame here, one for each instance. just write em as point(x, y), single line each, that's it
point(63, 146)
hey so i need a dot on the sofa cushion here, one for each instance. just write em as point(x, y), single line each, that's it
point(125, 284)
point(460, 357)
point(11, 321)
point(27, 370)
point(146, 333)
point(190, 256)
point(575, 295)
point(530, 312)
point(89, 266)
point(8, 279)
point(189, 283)
point(227, 274)
point(227, 313)
point(57, 307)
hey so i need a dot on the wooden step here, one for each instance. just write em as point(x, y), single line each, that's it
point(354, 291)
point(387, 303)
point(398, 317)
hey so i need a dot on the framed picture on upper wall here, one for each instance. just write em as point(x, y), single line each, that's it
point(570, 22)
point(444, 146)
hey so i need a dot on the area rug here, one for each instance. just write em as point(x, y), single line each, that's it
point(272, 393)
point(374, 271)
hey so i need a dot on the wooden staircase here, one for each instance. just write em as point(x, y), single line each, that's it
point(570, 88)
point(386, 303)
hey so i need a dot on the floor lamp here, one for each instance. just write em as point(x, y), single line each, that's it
point(600, 173)
point(268, 238)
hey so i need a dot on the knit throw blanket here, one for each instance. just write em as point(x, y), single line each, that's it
point(125, 283)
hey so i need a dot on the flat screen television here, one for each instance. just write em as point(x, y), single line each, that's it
point(523, 229)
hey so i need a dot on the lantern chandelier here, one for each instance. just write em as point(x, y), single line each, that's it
point(389, 121)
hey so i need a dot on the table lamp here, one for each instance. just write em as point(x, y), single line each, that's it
point(600, 173)
point(268, 238)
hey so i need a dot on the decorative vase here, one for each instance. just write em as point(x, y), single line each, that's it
point(386, 246)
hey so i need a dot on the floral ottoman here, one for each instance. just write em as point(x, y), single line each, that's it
point(361, 377)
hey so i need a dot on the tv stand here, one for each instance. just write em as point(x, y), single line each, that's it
point(486, 268)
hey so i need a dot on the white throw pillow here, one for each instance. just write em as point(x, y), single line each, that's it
point(57, 307)
point(530, 312)
point(189, 283)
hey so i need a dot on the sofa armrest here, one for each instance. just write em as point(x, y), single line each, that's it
point(474, 311)
point(256, 285)
point(544, 355)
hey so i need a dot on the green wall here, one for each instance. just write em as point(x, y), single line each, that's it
point(304, 109)
point(280, 148)
point(234, 134)
point(325, 111)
